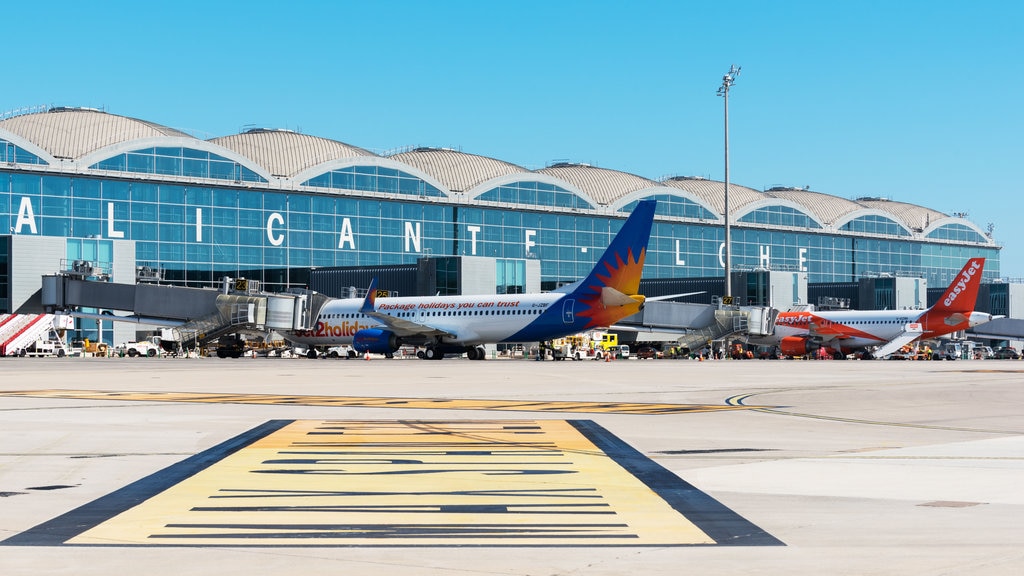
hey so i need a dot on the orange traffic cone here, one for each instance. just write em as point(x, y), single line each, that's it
point(367, 354)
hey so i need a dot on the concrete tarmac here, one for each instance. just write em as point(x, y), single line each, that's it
point(849, 467)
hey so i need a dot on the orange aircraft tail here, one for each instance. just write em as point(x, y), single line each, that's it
point(957, 302)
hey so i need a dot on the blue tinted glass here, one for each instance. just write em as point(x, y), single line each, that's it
point(321, 181)
point(172, 194)
point(11, 153)
point(117, 163)
point(140, 162)
point(144, 192)
point(222, 170)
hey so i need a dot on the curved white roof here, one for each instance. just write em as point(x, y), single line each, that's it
point(74, 132)
point(712, 193)
point(458, 171)
point(285, 153)
point(603, 185)
point(825, 208)
point(913, 216)
point(81, 134)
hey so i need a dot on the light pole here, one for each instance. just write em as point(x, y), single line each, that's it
point(727, 81)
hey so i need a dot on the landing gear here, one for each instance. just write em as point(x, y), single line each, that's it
point(311, 354)
point(432, 353)
point(476, 352)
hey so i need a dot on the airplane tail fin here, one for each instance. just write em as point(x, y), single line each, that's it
point(371, 297)
point(962, 293)
point(955, 306)
point(611, 289)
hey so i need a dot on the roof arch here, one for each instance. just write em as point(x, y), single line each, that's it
point(825, 208)
point(862, 212)
point(303, 178)
point(284, 153)
point(768, 202)
point(712, 192)
point(512, 179)
point(457, 171)
point(27, 146)
point(916, 218)
point(101, 154)
point(952, 222)
point(603, 185)
point(71, 133)
point(684, 197)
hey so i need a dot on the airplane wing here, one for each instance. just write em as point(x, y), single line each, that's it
point(825, 334)
point(910, 333)
point(671, 296)
point(400, 326)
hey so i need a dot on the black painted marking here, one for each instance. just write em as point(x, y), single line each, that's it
point(83, 518)
point(723, 525)
point(717, 522)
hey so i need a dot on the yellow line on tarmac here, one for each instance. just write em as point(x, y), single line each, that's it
point(391, 483)
point(382, 402)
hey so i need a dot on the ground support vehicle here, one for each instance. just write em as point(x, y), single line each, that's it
point(141, 348)
point(1006, 353)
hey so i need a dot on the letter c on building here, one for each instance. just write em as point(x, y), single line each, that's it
point(275, 239)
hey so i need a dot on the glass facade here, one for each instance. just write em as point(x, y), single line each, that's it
point(780, 216)
point(874, 224)
point(196, 234)
point(535, 194)
point(11, 153)
point(375, 179)
point(185, 162)
point(956, 232)
point(677, 206)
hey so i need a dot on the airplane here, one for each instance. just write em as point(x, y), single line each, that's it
point(457, 324)
point(847, 331)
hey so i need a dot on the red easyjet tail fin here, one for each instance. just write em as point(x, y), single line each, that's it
point(963, 291)
point(953, 311)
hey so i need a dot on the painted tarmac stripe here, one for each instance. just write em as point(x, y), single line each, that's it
point(369, 402)
point(408, 483)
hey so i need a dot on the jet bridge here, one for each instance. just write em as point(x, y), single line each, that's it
point(694, 325)
point(195, 316)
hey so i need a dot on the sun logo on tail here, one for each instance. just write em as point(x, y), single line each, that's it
point(611, 296)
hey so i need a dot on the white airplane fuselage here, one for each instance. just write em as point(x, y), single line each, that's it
point(469, 320)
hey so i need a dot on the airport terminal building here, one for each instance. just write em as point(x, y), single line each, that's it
point(131, 197)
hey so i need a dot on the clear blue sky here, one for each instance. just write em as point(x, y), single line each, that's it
point(917, 101)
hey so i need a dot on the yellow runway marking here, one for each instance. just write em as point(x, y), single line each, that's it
point(408, 483)
point(371, 402)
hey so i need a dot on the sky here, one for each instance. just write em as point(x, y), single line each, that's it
point(914, 101)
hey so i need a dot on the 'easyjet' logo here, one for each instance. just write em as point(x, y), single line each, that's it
point(961, 286)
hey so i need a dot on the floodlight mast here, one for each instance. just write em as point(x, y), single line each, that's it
point(727, 81)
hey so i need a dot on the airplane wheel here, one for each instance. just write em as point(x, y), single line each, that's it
point(430, 354)
point(481, 353)
point(311, 354)
point(471, 353)
point(420, 354)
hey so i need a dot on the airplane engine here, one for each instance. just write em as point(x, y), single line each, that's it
point(797, 346)
point(376, 341)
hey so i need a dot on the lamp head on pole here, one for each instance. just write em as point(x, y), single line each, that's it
point(728, 80)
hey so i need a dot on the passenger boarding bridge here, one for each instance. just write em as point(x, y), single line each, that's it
point(195, 316)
